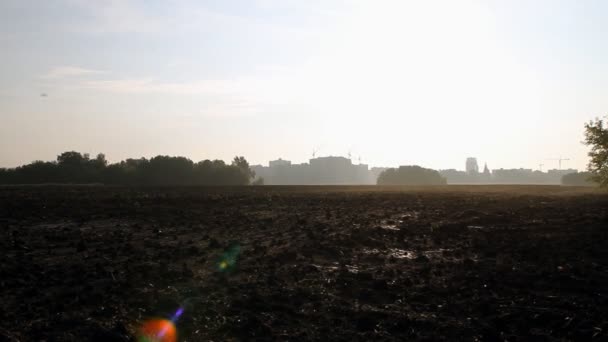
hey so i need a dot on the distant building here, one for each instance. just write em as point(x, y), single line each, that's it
point(517, 176)
point(363, 174)
point(556, 175)
point(319, 171)
point(375, 172)
point(486, 171)
point(528, 176)
point(337, 170)
point(279, 162)
point(454, 176)
point(341, 171)
point(471, 166)
point(560, 173)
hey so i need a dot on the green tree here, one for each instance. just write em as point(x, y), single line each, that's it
point(72, 167)
point(596, 136)
point(100, 161)
point(243, 165)
point(72, 158)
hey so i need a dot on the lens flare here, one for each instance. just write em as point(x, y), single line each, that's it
point(228, 260)
point(158, 330)
point(176, 315)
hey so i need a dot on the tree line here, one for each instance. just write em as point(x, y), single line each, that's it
point(76, 168)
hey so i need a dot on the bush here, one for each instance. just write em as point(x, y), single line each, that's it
point(579, 179)
point(410, 175)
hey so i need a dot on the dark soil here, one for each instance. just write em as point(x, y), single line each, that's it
point(315, 263)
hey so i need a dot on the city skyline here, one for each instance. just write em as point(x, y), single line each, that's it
point(339, 170)
point(355, 160)
point(541, 166)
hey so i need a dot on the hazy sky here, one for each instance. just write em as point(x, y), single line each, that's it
point(396, 82)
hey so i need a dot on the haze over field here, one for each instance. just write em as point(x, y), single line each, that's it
point(396, 82)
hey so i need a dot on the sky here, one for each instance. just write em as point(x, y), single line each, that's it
point(392, 82)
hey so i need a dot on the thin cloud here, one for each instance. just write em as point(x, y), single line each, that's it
point(268, 89)
point(69, 71)
point(240, 97)
point(150, 85)
point(117, 17)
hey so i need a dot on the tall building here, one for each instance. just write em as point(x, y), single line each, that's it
point(486, 171)
point(332, 170)
point(471, 166)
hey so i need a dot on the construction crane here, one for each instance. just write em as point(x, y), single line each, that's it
point(560, 159)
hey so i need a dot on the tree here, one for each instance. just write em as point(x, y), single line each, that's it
point(166, 170)
point(37, 172)
point(243, 165)
point(72, 167)
point(596, 136)
point(72, 158)
point(100, 161)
